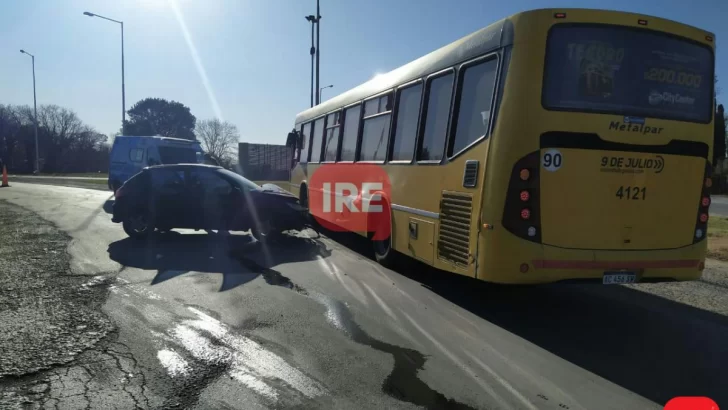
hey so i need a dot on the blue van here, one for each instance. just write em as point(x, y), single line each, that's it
point(129, 155)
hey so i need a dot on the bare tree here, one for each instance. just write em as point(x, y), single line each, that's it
point(219, 140)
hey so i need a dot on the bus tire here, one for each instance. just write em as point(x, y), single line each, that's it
point(303, 196)
point(383, 252)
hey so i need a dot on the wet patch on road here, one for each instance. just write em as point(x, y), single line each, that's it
point(402, 383)
point(47, 314)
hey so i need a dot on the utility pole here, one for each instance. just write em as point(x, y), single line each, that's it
point(35, 114)
point(312, 19)
point(123, 87)
point(318, 46)
point(321, 90)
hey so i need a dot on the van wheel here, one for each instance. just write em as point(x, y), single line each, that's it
point(115, 185)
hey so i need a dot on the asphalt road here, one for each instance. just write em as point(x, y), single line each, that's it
point(206, 322)
point(719, 205)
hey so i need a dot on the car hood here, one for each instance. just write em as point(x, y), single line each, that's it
point(273, 195)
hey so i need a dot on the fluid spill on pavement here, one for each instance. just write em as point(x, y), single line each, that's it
point(402, 383)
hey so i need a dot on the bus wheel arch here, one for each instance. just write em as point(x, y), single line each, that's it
point(384, 252)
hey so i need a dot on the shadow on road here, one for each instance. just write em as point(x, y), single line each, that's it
point(240, 258)
point(647, 344)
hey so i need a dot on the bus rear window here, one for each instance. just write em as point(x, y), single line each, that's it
point(626, 71)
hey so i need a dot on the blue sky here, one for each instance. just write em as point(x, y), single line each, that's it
point(255, 53)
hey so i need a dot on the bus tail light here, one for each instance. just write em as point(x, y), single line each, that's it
point(560, 15)
point(642, 22)
point(701, 221)
point(521, 213)
point(524, 174)
point(525, 213)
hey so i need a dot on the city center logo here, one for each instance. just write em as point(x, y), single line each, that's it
point(657, 98)
point(351, 197)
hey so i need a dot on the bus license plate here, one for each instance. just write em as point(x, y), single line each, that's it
point(616, 278)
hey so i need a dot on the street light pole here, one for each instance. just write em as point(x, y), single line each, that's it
point(123, 85)
point(318, 44)
point(322, 89)
point(35, 114)
point(312, 19)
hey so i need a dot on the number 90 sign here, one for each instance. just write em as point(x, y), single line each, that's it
point(551, 160)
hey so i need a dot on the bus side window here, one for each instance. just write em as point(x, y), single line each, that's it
point(471, 117)
point(331, 146)
point(375, 129)
point(351, 131)
point(405, 132)
point(317, 140)
point(435, 116)
point(305, 143)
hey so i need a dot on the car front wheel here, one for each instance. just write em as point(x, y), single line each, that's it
point(137, 226)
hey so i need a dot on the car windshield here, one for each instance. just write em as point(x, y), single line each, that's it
point(240, 181)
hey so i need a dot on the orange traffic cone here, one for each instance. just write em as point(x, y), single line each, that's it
point(5, 177)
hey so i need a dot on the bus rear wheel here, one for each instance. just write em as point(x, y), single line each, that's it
point(383, 252)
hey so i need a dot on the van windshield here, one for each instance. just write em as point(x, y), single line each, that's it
point(177, 155)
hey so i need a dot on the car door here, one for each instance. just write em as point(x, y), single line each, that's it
point(210, 195)
point(170, 210)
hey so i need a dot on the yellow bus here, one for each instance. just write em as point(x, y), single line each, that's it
point(551, 145)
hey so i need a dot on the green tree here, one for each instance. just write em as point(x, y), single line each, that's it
point(157, 116)
point(719, 135)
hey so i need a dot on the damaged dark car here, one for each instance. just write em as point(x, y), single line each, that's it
point(204, 197)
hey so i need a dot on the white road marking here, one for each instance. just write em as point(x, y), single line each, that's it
point(173, 363)
point(250, 364)
point(380, 302)
point(334, 271)
point(93, 282)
